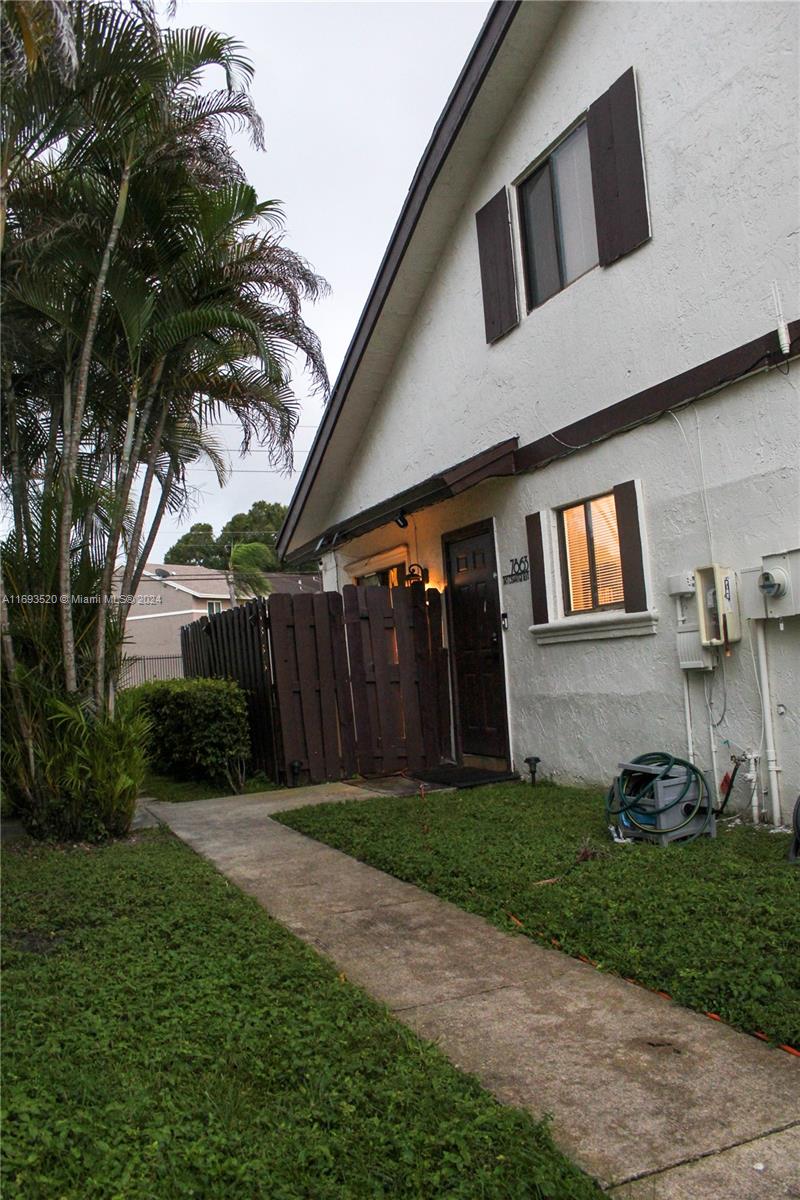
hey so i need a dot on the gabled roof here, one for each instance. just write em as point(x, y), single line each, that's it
point(201, 582)
point(493, 76)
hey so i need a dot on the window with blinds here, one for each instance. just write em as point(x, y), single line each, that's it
point(559, 234)
point(590, 555)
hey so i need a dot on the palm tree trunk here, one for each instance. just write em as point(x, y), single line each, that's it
point(136, 578)
point(72, 438)
point(22, 524)
point(144, 499)
point(10, 659)
point(128, 466)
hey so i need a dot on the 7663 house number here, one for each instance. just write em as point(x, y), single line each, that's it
point(520, 570)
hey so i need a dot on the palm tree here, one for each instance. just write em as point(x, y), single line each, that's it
point(31, 30)
point(157, 293)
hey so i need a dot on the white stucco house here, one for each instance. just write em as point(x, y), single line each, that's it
point(573, 393)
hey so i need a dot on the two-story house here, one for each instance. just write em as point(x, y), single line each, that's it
point(572, 397)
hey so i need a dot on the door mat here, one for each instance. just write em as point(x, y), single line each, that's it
point(395, 785)
point(455, 776)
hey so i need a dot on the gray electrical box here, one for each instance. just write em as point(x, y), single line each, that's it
point(661, 817)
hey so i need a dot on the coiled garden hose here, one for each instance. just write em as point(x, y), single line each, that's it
point(794, 849)
point(624, 799)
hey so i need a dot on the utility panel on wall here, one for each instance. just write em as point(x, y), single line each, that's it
point(717, 605)
point(779, 583)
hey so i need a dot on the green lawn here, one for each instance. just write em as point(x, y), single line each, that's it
point(716, 924)
point(164, 787)
point(164, 1038)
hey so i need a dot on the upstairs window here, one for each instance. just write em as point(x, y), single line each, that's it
point(214, 606)
point(557, 218)
point(591, 560)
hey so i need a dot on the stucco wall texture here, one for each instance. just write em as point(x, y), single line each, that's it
point(720, 133)
point(585, 706)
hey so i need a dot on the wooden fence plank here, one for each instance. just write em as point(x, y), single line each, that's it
point(440, 666)
point(329, 716)
point(409, 663)
point(387, 682)
point(365, 739)
point(284, 662)
point(308, 678)
point(344, 696)
point(426, 676)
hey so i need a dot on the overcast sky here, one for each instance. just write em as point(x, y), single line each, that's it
point(349, 94)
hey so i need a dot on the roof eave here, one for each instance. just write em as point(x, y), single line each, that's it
point(491, 37)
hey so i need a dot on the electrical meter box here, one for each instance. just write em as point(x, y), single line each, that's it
point(779, 583)
point(717, 605)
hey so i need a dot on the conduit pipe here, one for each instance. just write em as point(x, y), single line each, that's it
point(687, 712)
point(752, 778)
point(680, 616)
point(713, 745)
point(773, 770)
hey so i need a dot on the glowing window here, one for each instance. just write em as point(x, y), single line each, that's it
point(590, 556)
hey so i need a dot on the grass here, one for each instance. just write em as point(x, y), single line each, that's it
point(714, 923)
point(164, 787)
point(164, 1038)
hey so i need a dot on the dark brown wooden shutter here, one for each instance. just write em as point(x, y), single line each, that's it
point(497, 267)
point(630, 546)
point(533, 527)
point(618, 184)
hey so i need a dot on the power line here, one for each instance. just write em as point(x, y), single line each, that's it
point(236, 425)
point(245, 470)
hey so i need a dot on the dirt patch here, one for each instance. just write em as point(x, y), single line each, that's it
point(34, 941)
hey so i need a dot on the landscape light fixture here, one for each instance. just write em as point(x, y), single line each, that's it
point(532, 763)
point(401, 519)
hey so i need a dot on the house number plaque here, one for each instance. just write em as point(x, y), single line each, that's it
point(520, 570)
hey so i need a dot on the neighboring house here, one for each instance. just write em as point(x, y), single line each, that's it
point(570, 387)
point(170, 596)
point(167, 598)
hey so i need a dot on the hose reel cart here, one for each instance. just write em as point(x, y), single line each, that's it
point(661, 799)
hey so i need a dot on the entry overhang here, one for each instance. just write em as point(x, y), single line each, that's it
point(496, 461)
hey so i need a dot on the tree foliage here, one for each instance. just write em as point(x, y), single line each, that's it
point(258, 527)
point(147, 291)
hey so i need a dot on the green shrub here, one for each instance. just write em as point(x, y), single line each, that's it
point(79, 779)
point(199, 728)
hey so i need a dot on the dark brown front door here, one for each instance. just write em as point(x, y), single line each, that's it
point(476, 644)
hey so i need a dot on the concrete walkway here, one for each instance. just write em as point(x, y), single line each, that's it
point(656, 1102)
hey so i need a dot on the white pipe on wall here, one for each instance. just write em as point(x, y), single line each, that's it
point(687, 712)
point(773, 770)
point(680, 614)
point(752, 778)
point(713, 747)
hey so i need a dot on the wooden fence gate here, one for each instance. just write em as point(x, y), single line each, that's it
point(337, 685)
point(235, 645)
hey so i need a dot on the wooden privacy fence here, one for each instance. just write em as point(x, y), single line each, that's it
point(345, 684)
point(234, 644)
